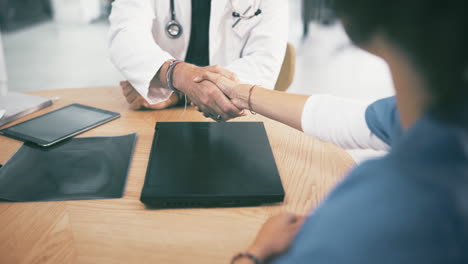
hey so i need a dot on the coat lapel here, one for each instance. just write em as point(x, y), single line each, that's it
point(219, 10)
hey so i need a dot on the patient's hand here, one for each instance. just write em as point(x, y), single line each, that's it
point(205, 94)
point(276, 235)
point(137, 101)
point(231, 88)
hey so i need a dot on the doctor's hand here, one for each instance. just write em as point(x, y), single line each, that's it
point(231, 88)
point(205, 94)
point(137, 101)
point(275, 236)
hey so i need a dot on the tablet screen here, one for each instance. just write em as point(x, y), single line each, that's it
point(61, 123)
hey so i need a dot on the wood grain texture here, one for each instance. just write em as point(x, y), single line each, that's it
point(123, 231)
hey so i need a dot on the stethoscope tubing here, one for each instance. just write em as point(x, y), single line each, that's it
point(173, 14)
point(173, 23)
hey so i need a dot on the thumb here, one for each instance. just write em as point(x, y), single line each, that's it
point(209, 76)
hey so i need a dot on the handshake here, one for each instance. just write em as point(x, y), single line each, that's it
point(213, 90)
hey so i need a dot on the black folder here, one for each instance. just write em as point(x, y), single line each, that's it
point(211, 165)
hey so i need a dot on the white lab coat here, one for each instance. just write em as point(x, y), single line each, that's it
point(253, 50)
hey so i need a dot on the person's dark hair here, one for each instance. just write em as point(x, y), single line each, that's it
point(434, 33)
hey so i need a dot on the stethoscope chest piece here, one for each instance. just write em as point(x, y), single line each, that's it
point(173, 29)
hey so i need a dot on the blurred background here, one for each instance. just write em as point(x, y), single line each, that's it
point(54, 44)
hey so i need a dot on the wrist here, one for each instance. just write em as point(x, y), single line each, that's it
point(179, 72)
point(241, 95)
point(170, 75)
point(162, 74)
point(246, 258)
point(258, 252)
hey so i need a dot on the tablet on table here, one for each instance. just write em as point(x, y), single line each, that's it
point(58, 125)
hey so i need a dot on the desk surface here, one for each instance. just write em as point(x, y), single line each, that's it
point(123, 231)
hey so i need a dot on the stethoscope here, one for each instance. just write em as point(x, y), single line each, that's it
point(174, 28)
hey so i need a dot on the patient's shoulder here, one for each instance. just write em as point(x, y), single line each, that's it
point(381, 213)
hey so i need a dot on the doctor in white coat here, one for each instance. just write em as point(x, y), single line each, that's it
point(243, 39)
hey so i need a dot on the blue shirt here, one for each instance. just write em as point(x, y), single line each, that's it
point(410, 206)
point(383, 119)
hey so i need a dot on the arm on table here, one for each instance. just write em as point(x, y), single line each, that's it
point(134, 51)
point(274, 237)
point(331, 119)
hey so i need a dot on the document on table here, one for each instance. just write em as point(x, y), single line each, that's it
point(78, 169)
point(17, 105)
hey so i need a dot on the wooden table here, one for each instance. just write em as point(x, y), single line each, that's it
point(123, 231)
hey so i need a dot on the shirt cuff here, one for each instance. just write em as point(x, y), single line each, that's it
point(141, 76)
point(158, 94)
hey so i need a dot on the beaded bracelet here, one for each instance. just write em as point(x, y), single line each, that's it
point(246, 255)
point(170, 74)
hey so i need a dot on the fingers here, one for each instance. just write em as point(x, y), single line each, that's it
point(294, 222)
point(195, 106)
point(224, 72)
point(290, 218)
point(137, 103)
point(205, 114)
point(211, 100)
point(227, 107)
point(132, 97)
point(208, 76)
point(227, 86)
point(300, 221)
point(127, 88)
point(217, 104)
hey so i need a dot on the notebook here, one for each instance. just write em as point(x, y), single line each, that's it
point(17, 105)
point(211, 165)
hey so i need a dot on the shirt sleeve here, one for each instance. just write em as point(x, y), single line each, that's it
point(341, 122)
point(133, 49)
point(383, 120)
point(386, 219)
point(263, 53)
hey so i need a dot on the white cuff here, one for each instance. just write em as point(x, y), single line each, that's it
point(339, 121)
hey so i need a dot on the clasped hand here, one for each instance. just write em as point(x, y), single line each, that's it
point(204, 94)
point(194, 82)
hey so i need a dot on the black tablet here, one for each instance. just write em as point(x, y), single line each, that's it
point(58, 125)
